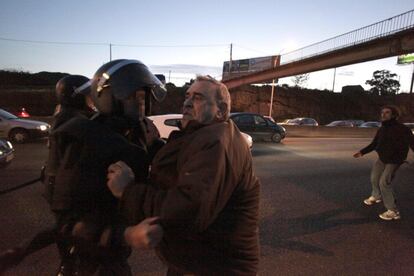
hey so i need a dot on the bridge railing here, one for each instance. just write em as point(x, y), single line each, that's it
point(383, 28)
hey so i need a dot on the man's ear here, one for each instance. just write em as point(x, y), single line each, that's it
point(222, 111)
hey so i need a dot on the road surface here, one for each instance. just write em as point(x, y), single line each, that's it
point(312, 220)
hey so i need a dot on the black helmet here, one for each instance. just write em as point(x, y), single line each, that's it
point(117, 80)
point(68, 88)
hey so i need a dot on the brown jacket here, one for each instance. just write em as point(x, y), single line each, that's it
point(203, 187)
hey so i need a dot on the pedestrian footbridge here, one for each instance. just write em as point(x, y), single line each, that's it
point(390, 37)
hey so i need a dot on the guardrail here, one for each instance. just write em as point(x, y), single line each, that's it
point(329, 132)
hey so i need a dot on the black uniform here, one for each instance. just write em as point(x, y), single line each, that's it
point(85, 148)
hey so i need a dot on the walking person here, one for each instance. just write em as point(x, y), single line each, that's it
point(392, 142)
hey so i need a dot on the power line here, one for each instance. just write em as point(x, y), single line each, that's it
point(113, 44)
point(53, 42)
point(171, 46)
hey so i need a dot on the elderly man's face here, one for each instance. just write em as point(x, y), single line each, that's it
point(200, 103)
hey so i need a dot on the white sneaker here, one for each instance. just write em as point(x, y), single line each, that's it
point(390, 215)
point(372, 200)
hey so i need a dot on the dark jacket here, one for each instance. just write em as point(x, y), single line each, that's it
point(65, 114)
point(203, 188)
point(84, 150)
point(391, 142)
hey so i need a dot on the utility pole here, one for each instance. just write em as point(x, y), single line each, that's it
point(169, 76)
point(275, 63)
point(333, 84)
point(412, 81)
point(110, 52)
point(411, 89)
point(231, 57)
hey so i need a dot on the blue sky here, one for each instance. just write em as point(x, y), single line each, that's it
point(256, 28)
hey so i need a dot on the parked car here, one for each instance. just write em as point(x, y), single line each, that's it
point(302, 122)
point(356, 123)
point(340, 124)
point(371, 124)
point(166, 123)
point(21, 130)
point(268, 118)
point(6, 153)
point(23, 113)
point(410, 126)
point(284, 122)
point(258, 127)
point(169, 122)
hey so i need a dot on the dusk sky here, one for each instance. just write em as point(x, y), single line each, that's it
point(156, 31)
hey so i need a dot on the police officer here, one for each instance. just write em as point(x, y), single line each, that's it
point(70, 104)
point(88, 220)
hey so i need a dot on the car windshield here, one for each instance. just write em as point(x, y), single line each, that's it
point(6, 115)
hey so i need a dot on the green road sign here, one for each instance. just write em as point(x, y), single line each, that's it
point(405, 59)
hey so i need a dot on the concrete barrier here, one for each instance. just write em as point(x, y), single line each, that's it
point(297, 131)
point(324, 131)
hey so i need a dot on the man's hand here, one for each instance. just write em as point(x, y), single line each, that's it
point(119, 176)
point(358, 154)
point(147, 234)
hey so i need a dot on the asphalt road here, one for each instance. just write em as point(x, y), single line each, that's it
point(312, 218)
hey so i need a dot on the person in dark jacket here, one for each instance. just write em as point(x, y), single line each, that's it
point(81, 149)
point(88, 217)
point(392, 142)
point(70, 104)
point(203, 189)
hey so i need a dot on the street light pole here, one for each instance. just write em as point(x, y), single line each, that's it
point(412, 81)
point(275, 63)
point(110, 52)
point(231, 57)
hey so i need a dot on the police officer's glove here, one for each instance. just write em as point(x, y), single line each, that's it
point(119, 177)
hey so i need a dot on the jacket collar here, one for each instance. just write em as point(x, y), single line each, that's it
point(390, 122)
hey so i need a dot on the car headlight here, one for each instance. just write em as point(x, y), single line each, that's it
point(43, 127)
point(1, 152)
point(9, 144)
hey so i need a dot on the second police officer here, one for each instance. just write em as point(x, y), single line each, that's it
point(89, 222)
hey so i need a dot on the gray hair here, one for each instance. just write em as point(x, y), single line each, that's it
point(221, 91)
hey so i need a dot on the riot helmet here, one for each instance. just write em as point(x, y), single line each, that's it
point(68, 91)
point(115, 85)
